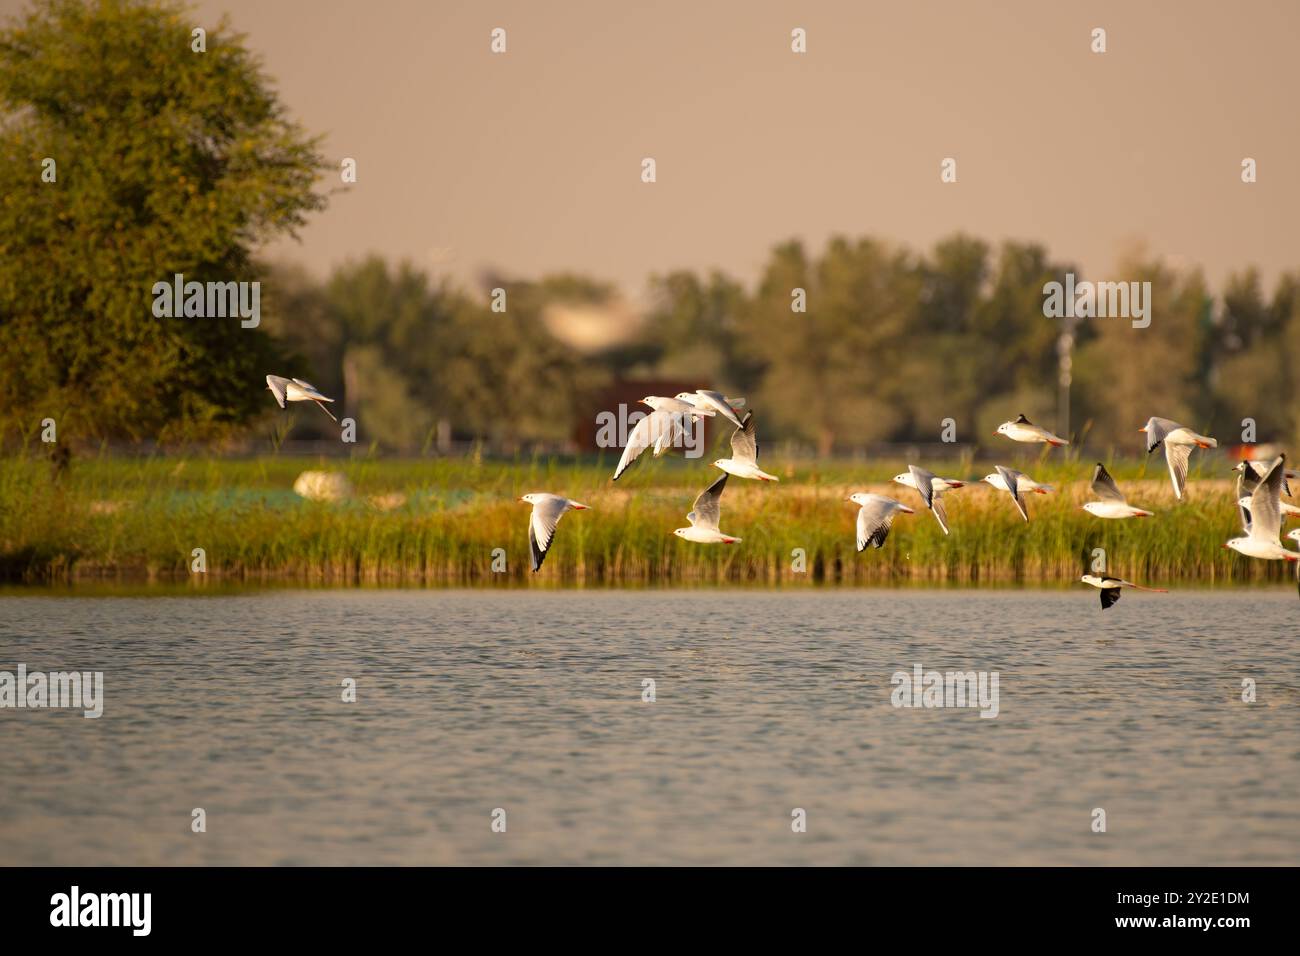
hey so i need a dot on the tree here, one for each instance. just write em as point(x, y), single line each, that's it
point(166, 160)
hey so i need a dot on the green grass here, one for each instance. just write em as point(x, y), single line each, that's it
point(140, 519)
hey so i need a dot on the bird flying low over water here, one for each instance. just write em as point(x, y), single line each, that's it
point(1015, 483)
point(1110, 587)
point(1022, 429)
point(931, 489)
point(296, 390)
point(743, 462)
point(1112, 503)
point(875, 516)
point(1179, 442)
point(1263, 518)
point(705, 515)
point(547, 509)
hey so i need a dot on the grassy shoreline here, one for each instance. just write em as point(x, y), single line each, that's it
point(438, 521)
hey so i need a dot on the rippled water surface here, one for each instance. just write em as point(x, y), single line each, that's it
point(765, 701)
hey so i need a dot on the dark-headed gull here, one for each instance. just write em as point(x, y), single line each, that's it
point(1179, 442)
point(547, 509)
point(931, 490)
point(1112, 503)
point(296, 390)
point(743, 462)
point(1265, 517)
point(704, 517)
point(875, 516)
point(1110, 587)
point(1022, 429)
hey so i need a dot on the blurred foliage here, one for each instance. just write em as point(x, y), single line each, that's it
point(167, 161)
point(174, 161)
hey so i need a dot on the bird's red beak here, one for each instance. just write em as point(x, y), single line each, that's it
point(1142, 429)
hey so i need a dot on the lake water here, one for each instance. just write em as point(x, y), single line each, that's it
point(764, 702)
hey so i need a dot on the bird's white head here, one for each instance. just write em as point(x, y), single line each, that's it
point(858, 498)
point(652, 401)
point(904, 479)
point(990, 479)
point(687, 397)
point(1091, 579)
point(1236, 544)
point(529, 499)
point(1294, 534)
point(1005, 428)
point(680, 532)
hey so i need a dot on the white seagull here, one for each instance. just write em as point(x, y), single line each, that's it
point(547, 509)
point(704, 517)
point(875, 516)
point(677, 405)
point(931, 490)
point(1265, 518)
point(1015, 483)
point(1022, 429)
point(1112, 503)
point(1179, 442)
point(1257, 469)
point(1110, 587)
point(650, 430)
point(743, 462)
point(716, 401)
point(296, 390)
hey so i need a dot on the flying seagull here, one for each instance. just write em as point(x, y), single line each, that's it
point(1256, 471)
point(547, 509)
point(1022, 429)
point(648, 431)
point(743, 462)
point(1265, 517)
point(296, 390)
point(706, 399)
point(1015, 483)
point(1112, 503)
point(1110, 587)
point(680, 406)
point(1179, 442)
point(875, 516)
point(931, 490)
point(705, 515)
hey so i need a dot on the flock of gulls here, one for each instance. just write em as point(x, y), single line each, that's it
point(1259, 489)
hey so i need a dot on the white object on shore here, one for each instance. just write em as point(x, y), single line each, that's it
point(323, 486)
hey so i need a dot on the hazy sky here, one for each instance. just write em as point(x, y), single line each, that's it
point(530, 161)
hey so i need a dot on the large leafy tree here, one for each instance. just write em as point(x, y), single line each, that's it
point(167, 160)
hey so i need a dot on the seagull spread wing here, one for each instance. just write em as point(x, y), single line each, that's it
point(1266, 503)
point(1104, 487)
point(874, 520)
point(707, 510)
point(642, 437)
point(1246, 484)
point(744, 445)
point(924, 484)
point(276, 384)
point(541, 526)
point(718, 402)
point(1012, 480)
point(1177, 456)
